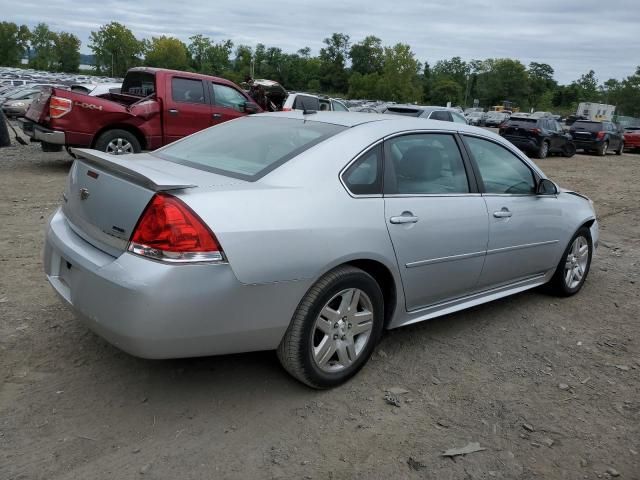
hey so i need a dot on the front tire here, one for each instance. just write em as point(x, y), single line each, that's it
point(621, 149)
point(569, 150)
point(334, 329)
point(574, 265)
point(118, 142)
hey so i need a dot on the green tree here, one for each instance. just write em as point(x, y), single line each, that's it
point(167, 52)
point(67, 52)
point(540, 83)
point(198, 49)
point(13, 42)
point(446, 90)
point(116, 49)
point(333, 57)
point(587, 86)
point(43, 45)
point(502, 79)
point(367, 56)
point(400, 81)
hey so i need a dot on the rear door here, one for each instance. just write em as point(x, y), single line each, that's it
point(186, 107)
point(227, 103)
point(437, 221)
point(524, 228)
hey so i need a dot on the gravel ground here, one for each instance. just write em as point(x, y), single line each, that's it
point(548, 387)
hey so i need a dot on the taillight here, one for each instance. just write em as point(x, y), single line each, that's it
point(601, 135)
point(537, 131)
point(59, 106)
point(287, 109)
point(170, 231)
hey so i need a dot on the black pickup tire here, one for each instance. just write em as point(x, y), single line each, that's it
point(602, 149)
point(621, 149)
point(5, 139)
point(543, 150)
point(118, 142)
point(569, 150)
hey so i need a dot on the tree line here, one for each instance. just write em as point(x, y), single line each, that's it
point(364, 69)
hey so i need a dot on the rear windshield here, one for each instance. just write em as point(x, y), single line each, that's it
point(411, 112)
point(250, 147)
point(528, 122)
point(139, 84)
point(588, 126)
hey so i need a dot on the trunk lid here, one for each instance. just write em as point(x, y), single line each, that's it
point(105, 195)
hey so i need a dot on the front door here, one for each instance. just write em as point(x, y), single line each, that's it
point(186, 108)
point(436, 220)
point(228, 103)
point(524, 228)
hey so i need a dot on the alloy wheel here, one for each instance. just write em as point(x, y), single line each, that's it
point(576, 262)
point(119, 146)
point(342, 330)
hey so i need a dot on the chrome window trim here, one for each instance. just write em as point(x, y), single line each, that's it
point(358, 156)
point(412, 195)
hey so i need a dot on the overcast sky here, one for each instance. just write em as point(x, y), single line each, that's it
point(572, 36)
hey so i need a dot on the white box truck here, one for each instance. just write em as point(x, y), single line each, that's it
point(596, 111)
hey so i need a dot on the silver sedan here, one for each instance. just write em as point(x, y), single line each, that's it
point(309, 233)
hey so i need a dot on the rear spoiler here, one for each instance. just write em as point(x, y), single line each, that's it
point(135, 171)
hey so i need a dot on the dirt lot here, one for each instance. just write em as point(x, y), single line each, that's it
point(549, 387)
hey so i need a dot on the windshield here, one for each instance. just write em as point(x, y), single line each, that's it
point(250, 147)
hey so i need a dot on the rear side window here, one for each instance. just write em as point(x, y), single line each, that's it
point(250, 147)
point(306, 102)
point(187, 90)
point(440, 115)
point(457, 118)
point(364, 176)
point(501, 170)
point(425, 164)
point(228, 97)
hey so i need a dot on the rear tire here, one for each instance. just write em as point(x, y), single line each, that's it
point(5, 138)
point(118, 142)
point(602, 150)
point(621, 149)
point(328, 317)
point(569, 150)
point(574, 265)
point(543, 151)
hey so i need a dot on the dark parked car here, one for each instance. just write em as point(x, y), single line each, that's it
point(599, 137)
point(495, 119)
point(432, 113)
point(539, 136)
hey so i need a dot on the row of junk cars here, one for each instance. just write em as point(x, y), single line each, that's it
point(539, 134)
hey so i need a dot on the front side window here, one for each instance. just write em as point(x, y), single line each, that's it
point(338, 107)
point(501, 170)
point(364, 176)
point(185, 90)
point(425, 164)
point(228, 97)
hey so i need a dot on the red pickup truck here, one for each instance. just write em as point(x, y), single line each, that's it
point(154, 107)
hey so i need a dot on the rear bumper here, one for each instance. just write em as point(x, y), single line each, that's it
point(155, 310)
point(523, 143)
point(587, 144)
point(42, 134)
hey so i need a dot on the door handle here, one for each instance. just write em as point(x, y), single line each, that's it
point(217, 115)
point(173, 111)
point(503, 213)
point(406, 217)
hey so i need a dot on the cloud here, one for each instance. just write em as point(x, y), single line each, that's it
point(572, 36)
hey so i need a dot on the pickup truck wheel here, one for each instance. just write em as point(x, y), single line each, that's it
point(621, 149)
point(602, 151)
point(118, 142)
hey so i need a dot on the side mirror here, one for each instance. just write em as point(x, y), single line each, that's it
point(250, 107)
point(546, 187)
